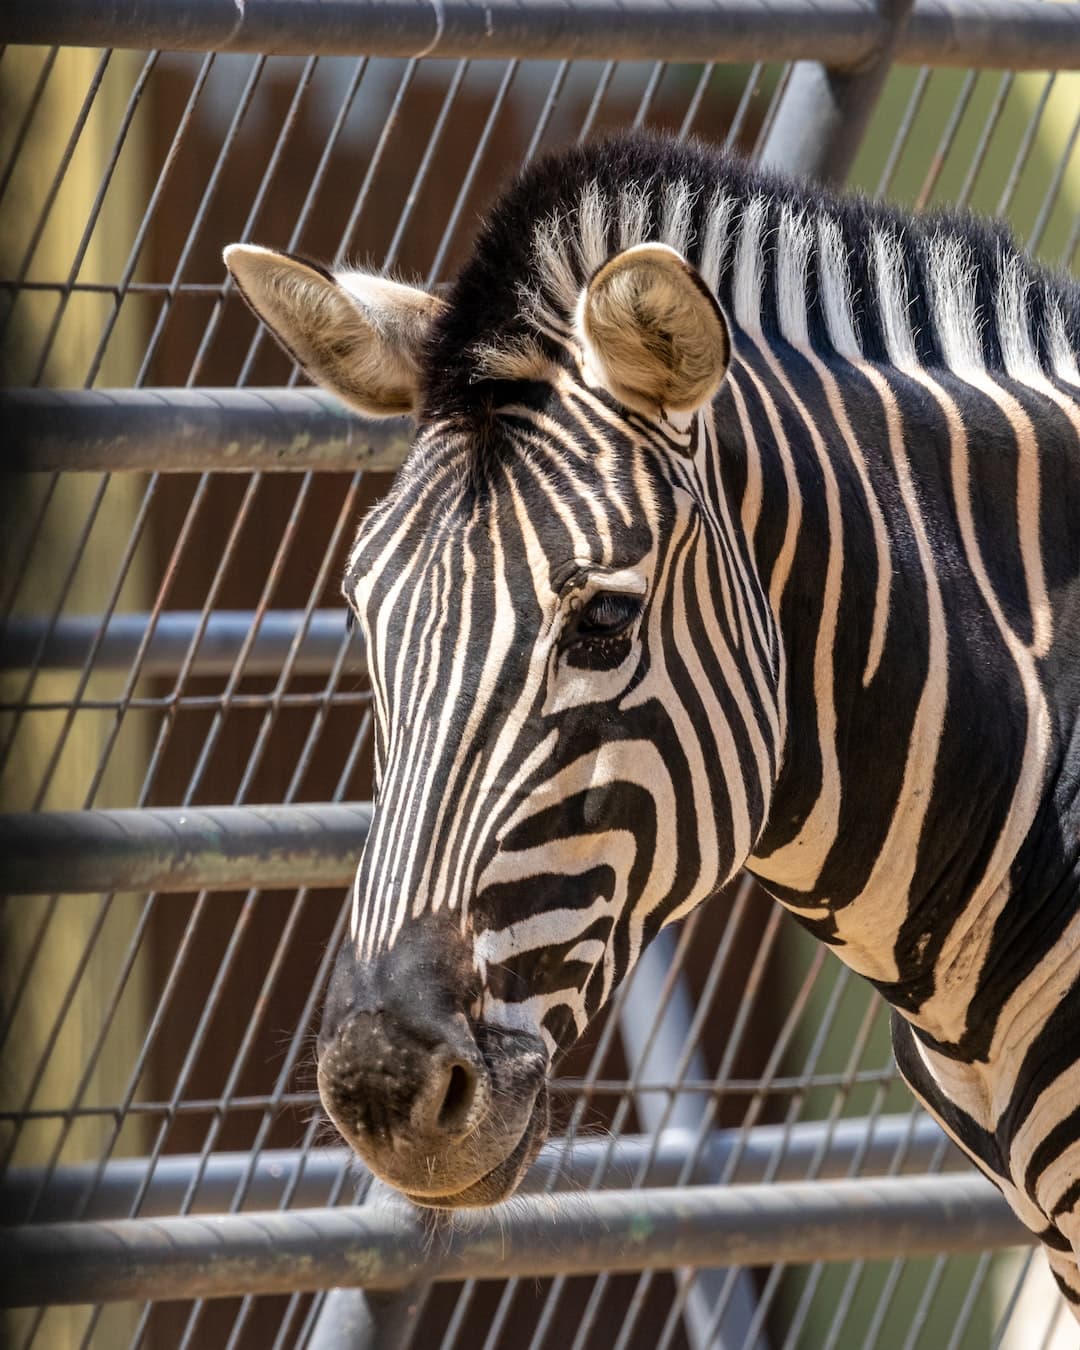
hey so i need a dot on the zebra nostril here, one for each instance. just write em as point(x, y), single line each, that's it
point(460, 1083)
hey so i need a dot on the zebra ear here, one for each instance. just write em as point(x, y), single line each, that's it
point(652, 333)
point(357, 335)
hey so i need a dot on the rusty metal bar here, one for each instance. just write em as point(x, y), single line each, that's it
point(1005, 33)
point(875, 1143)
point(67, 643)
point(272, 1253)
point(181, 848)
point(195, 431)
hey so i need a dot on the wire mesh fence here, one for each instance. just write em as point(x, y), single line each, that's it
point(187, 717)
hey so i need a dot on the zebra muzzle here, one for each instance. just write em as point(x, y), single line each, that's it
point(448, 1110)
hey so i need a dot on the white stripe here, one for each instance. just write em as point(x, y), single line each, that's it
point(835, 287)
point(593, 223)
point(957, 321)
point(793, 256)
point(677, 214)
point(892, 299)
point(749, 266)
point(716, 239)
point(635, 207)
point(1062, 356)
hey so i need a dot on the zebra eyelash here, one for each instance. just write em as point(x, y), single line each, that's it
point(607, 614)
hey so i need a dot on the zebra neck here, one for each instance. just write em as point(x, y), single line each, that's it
point(925, 814)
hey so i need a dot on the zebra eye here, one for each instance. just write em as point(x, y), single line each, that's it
point(350, 618)
point(608, 614)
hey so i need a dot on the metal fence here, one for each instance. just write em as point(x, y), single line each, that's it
point(184, 731)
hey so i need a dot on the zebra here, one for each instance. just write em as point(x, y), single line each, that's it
point(741, 529)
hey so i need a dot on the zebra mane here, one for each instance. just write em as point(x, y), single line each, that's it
point(787, 260)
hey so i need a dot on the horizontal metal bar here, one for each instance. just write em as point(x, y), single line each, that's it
point(839, 33)
point(583, 1233)
point(181, 848)
point(69, 641)
point(765, 1151)
point(194, 430)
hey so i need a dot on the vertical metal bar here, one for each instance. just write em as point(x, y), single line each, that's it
point(903, 131)
point(255, 756)
point(696, 100)
point(353, 1319)
point(948, 136)
point(757, 1101)
point(209, 192)
point(1031, 132)
point(971, 1300)
point(421, 176)
point(390, 123)
point(58, 179)
point(27, 119)
point(645, 105)
point(119, 141)
point(738, 121)
point(1001, 95)
point(361, 1319)
point(450, 228)
point(653, 1044)
point(1054, 189)
point(1013, 1303)
point(163, 177)
point(259, 336)
point(694, 1158)
point(581, 1105)
point(597, 100)
point(281, 141)
point(554, 91)
point(820, 123)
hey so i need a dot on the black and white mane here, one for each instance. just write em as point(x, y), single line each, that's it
point(858, 277)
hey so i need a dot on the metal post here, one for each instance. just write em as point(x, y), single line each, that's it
point(353, 1319)
point(824, 112)
point(662, 1043)
point(363, 1319)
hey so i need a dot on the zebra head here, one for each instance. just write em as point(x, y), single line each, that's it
point(562, 729)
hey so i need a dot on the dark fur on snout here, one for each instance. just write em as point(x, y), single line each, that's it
point(449, 1110)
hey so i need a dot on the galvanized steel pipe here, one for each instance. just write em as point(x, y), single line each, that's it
point(67, 643)
point(194, 430)
point(217, 1257)
point(181, 848)
point(785, 1154)
point(1014, 34)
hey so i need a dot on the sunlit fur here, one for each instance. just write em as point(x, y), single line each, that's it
point(857, 666)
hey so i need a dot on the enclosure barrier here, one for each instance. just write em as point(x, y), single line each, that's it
point(67, 1235)
point(195, 431)
point(211, 644)
point(605, 1230)
point(308, 1179)
point(181, 848)
point(1015, 34)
